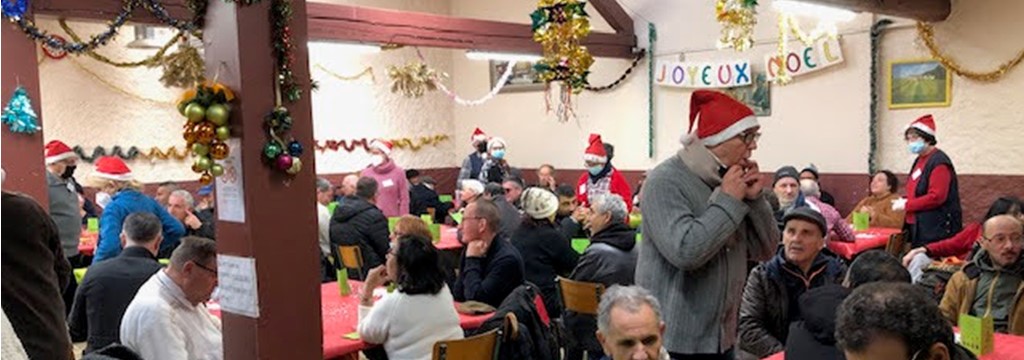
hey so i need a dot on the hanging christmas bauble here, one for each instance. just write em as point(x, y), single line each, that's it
point(272, 150)
point(206, 179)
point(195, 112)
point(218, 114)
point(295, 148)
point(196, 169)
point(217, 170)
point(284, 162)
point(181, 108)
point(219, 150)
point(203, 163)
point(205, 132)
point(223, 132)
point(296, 166)
point(200, 149)
point(189, 135)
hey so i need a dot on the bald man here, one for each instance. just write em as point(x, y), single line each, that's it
point(997, 270)
point(347, 188)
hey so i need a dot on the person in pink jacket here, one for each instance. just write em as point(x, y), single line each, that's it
point(393, 190)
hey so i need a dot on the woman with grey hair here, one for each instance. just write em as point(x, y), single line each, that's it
point(609, 260)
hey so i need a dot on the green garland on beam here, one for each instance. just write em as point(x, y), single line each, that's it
point(876, 46)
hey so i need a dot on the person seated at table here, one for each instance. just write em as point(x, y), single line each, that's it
point(513, 187)
point(113, 178)
point(469, 191)
point(546, 253)
point(423, 197)
point(889, 320)
point(510, 216)
point(609, 260)
point(769, 301)
point(814, 336)
point(421, 313)
point(570, 217)
point(960, 245)
point(838, 228)
point(882, 191)
point(181, 206)
point(992, 284)
point(546, 177)
point(786, 188)
point(168, 319)
point(324, 195)
point(811, 173)
point(601, 176)
point(163, 192)
point(629, 324)
point(359, 222)
point(206, 201)
point(491, 267)
point(108, 287)
point(346, 189)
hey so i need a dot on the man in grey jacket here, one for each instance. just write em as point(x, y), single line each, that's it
point(65, 211)
point(705, 216)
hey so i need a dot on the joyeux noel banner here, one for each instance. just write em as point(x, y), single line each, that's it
point(731, 73)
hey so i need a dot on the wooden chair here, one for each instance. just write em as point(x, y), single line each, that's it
point(351, 258)
point(896, 245)
point(578, 296)
point(483, 346)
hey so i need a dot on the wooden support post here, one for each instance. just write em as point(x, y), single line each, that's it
point(22, 153)
point(279, 230)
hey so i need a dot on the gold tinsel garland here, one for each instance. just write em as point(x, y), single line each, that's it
point(927, 34)
point(368, 71)
point(737, 18)
point(364, 143)
point(115, 88)
point(151, 61)
point(414, 79)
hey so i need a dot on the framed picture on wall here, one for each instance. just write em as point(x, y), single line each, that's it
point(919, 84)
point(523, 78)
point(757, 95)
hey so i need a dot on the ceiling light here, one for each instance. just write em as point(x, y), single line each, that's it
point(338, 48)
point(486, 55)
point(821, 12)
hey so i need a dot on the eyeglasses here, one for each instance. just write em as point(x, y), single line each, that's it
point(1002, 239)
point(201, 266)
point(750, 137)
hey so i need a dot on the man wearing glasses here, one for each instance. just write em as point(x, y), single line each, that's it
point(168, 318)
point(991, 284)
point(491, 266)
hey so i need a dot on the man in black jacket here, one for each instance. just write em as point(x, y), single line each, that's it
point(181, 205)
point(770, 297)
point(571, 218)
point(491, 267)
point(423, 196)
point(510, 216)
point(359, 222)
point(109, 286)
point(35, 271)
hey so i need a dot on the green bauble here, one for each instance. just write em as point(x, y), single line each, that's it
point(199, 149)
point(272, 150)
point(195, 112)
point(218, 114)
point(216, 170)
point(203, 163)
point(223, 132)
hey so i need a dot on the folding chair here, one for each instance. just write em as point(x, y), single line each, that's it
point(351, 258)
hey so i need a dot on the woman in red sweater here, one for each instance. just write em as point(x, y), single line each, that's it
point(601, 177)
point(960, 245)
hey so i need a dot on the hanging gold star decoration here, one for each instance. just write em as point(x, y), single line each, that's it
point(414, 79)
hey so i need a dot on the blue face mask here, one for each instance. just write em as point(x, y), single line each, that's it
point(916, 147)
point(594, 170)
point(498, 154)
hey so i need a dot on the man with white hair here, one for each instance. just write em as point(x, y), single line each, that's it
point(324, 195)
point(838, 228)
point(629, 324)
point(181, 205)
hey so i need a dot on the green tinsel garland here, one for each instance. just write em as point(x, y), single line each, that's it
point(876, 35)
point(652, 37)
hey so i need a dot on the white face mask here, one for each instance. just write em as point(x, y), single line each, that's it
point(377, 160)
point(103, 199)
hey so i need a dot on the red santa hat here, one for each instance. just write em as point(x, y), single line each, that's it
point(925, 123)
point(721, 118)
point(478, 135)
point(112, 168)
point(595, 151)
point(57, 150)
point(383, 145)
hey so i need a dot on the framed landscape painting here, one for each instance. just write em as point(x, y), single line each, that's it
point(758, 95)
point(523, 78)
point(919, 84)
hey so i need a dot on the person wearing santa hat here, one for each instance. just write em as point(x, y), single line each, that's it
point(495, 168)
point(65, 211)
point(474, 162)
point(933, 194)
point(705, 217)
point(113, 177)
point(601, 178)
point(393, 192)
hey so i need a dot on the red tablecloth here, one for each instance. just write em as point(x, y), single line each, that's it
point(1005, 347)
point(341, 316)
point(449, 238)
point(872, 238)
point(87, 243)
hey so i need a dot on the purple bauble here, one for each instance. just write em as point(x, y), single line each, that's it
point(284, 162)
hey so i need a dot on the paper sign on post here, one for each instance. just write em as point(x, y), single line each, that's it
point(805, 59)
point(236, 277)
point(976, 333)
point(700, 75)
point(230, 190)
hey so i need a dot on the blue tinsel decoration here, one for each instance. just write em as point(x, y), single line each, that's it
point(14, 8)
point(18, 113)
